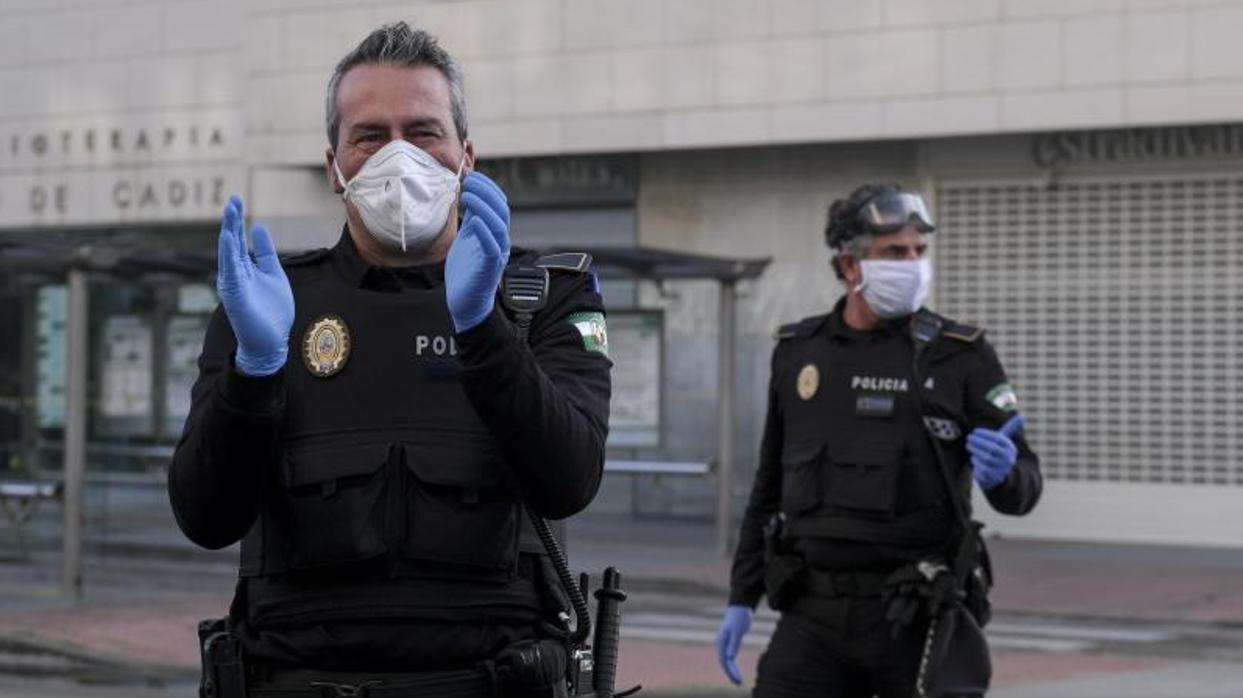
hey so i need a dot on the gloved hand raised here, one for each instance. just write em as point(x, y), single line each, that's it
point(734, 626)
point(479, 254)
point(993, 454)
point(255, 294)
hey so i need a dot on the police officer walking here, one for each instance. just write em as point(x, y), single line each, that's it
point(867, 407)
point(374, 426)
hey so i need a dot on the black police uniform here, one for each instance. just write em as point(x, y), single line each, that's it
point(846, 455)
point(381, 509)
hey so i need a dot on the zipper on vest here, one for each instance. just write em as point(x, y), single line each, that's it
point(394, 512)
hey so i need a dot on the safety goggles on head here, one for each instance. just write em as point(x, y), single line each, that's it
point(892, 211)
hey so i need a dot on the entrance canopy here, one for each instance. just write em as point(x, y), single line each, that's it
point(56, 257)
point(651, 264)
point(64, 260)
point(661, 265)
point(644, 263)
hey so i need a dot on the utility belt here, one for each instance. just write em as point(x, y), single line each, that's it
point(856, 583)
point(560, 665)
point(467, 683)
point(531, 669)
point(788, 577)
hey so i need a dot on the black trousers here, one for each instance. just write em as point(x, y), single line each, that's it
point(839, 647)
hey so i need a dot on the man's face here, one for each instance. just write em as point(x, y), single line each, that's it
point(906, 244)
point(379, 103)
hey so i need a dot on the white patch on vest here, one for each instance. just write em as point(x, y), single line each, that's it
point(944, 429)
point(592, 327)
point(1003, 398)
point(890, 385)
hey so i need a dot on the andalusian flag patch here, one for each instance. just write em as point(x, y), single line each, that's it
point(1003, 398)
point(591, 327)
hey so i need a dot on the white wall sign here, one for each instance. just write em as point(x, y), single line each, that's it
point(152, 194)
point(126, 345)
point(1137, 145)
point(52, 308)
point(185, 341)
point(162, 167)
point(196, 298)
point(635, 341)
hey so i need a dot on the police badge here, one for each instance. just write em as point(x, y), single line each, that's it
point(326, 346)
point(808, 382)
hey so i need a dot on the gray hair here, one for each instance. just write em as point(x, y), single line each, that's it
point(856, 246)
point(398, 44)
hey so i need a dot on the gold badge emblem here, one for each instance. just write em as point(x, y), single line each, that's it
point(808, 381)
point(326, 346)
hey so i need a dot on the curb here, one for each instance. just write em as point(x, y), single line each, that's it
point(634, 581)
point(23, 654)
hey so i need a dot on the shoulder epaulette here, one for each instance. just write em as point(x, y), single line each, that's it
point(961, 332)
point(565, 261)
point(304, 258)
point(803, 328)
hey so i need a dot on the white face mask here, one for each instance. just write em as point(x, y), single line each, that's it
point(895, 288)
point(403, 194)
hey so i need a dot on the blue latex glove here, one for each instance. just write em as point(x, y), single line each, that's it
point(734, 625)
point(255, 294)
point(993, 454)
point(479, 254)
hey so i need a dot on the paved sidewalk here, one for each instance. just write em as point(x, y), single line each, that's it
point(150, 625)
point(1041, 577)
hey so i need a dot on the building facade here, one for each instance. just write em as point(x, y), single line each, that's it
point(1083, 159)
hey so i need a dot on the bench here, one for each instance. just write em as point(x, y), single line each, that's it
point(656, 467)
point(653, 467)
point(20, 500)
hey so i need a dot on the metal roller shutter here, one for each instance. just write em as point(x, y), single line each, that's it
point(1115, 305)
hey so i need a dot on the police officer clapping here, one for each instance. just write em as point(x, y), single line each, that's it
point(373, 425)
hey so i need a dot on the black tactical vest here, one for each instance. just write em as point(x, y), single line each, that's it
point(385, 464)
point(857, 463)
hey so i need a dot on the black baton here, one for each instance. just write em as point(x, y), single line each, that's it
point(608, 626)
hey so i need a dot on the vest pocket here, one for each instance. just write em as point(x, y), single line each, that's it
point(863, 478)
point(333, 505)
point(801, 477)
point(460, 512)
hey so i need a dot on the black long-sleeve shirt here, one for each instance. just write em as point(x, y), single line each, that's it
point(545, 403)
point(969, 388)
